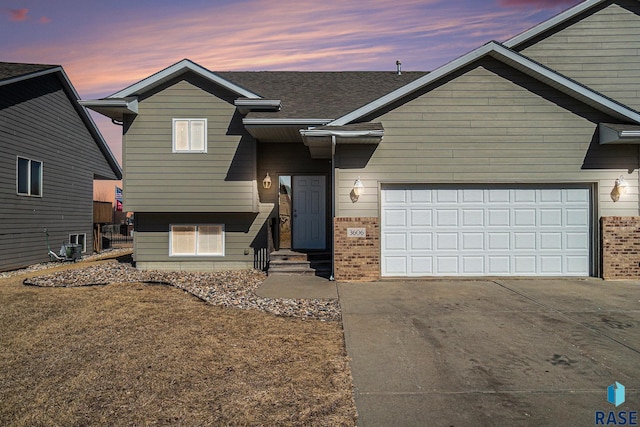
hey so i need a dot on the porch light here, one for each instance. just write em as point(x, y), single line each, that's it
point(266, 182)
point(619, 188)
point(358, 187)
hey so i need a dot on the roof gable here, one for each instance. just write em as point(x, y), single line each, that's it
point(587, 6)
point(512, 59)
point(15, 72)
point(175, 70)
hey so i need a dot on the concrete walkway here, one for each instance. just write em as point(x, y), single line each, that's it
point(491, 352)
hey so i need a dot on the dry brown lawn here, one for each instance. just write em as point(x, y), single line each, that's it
point(146, 355)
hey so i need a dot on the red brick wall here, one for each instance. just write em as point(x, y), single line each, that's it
point(356, 258)
point(620, 247)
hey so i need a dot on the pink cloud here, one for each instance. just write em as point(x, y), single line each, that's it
point(542, 4)
point(44, 20)
point(17, 14)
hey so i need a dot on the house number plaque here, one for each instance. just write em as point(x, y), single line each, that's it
point(356, 232)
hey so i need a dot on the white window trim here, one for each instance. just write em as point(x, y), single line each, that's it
point(173, 135)
point(84, 241)
point(28, 193)
point(223, 245)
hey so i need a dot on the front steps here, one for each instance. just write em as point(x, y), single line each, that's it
point(290, 262)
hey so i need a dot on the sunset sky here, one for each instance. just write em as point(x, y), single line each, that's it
point(105, 46)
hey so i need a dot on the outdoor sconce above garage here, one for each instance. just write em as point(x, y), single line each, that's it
point(266, 182)
point(619, 188)
point(358, 187)
point(357, 190)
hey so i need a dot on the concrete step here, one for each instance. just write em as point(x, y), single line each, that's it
point(301, 263)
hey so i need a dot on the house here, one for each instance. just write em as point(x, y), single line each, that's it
point(516, 159)
point(50, 153)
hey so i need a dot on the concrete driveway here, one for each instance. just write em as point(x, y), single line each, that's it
point(491, 352)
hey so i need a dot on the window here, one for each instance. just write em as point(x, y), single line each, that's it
point(29, 177)
point(79, 239)
point(190, 135)
point(199, 240)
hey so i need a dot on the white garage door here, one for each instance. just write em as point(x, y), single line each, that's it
point(485, 230)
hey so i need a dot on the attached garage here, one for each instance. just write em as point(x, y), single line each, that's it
point(486, 230)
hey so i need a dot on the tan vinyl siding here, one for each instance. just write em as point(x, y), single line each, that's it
point(158, 180)
point(489, 124)
point(601, 51)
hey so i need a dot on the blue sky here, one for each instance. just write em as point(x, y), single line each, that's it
point(105, 46)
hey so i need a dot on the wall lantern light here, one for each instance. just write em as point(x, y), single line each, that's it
point(266, 182)
point(619, 189)
point(358, 187)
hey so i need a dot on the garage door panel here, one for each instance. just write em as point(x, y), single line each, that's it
point(551, 241)
point(420, 196)
point(421, 241)
point(473, 241)
point(472, 196)
point(395, 218)
point(473, 217)
point(574, 195)
point(498, 218)
point(498, 264)
point(446, 241)
point(473, 265)
point(499, 241)
point(447, 265)
point(395, 242)
point(524, 241)
point(576, 217)
point(446, 217)
point(490, 230)
point(446, 196)
point(421, 265)
point(524, 196)
point(421, 217)
point(525, 217)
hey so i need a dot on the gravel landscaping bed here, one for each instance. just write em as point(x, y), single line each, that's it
point(225, 288)
point(110, 253)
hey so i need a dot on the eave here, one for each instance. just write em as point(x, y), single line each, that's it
point(323, 141)
point(618, 134)
point(279, 130)
point(114, 108)
point(247, 105)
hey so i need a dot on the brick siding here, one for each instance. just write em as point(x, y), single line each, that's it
point(356, 258)
point(620, 247)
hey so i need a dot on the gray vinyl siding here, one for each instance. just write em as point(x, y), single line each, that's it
point(601, 51)
point(243, 232)
point(488, 123)
point(39, 122)
point(158, 180)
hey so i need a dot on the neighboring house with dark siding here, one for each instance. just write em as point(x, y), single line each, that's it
point(516, 159)
point(50, 153)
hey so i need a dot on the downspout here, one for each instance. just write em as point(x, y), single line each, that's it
point(333, 206)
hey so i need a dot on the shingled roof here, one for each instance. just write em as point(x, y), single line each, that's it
point(9, 70)
point(321, 95)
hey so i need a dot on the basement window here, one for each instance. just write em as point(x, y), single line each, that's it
point(79, 239)
point(197, 240)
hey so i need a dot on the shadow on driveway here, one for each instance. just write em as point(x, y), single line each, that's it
point(491, 352)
